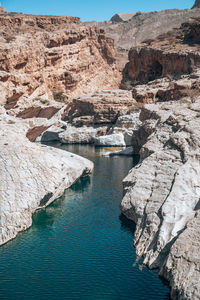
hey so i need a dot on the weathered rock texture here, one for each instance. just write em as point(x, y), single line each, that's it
point(166, 89)
point(52, 57)
point(31, 176)
point(88, 117)
point(103, 107)
point(171, 54)
point(162, 194)
point(131, 29)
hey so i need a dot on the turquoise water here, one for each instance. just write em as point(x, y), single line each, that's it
point(80, 247)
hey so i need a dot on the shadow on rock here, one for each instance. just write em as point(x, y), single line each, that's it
point(127, 225)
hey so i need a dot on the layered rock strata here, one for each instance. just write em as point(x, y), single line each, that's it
point(129, 30)
point(113, 113)
point(166, 89)
point(171, 54)
point(161, 195)
point(52, 57)
point(101, 107)
point(31, 176)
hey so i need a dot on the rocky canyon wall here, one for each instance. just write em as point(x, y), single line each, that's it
point(170, 54)
point(162, 194)
point(130, 29)
point(53, 57)
point(31, 175)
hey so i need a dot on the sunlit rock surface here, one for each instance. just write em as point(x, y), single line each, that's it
point(31, 176)
point(162, 194)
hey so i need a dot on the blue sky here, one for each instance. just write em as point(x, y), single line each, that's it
point(89, 10)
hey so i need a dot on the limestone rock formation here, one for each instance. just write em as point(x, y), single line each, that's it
point(31, 176)
point(94, 115)
point(102, 107)
point(115, 139)
point(171, 54)
point(162, 194)
point(52, 57)
point(125, 152)
point(129, 30)
point(166, 89)
point(79, 135)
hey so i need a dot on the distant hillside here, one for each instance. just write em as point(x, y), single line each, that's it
point(131, 29)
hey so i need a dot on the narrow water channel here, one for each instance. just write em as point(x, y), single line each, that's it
point(80, 247)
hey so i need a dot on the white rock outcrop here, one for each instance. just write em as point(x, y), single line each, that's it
point(162, 194)
point(31, 176)
point(116, 139)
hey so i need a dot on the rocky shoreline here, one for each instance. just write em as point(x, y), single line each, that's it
point(71, 94)
point(32, 176)
point(162, 194)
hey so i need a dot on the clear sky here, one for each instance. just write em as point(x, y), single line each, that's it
point(89, 10)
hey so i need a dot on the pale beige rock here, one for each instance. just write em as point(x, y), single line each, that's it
point(31, 176)
point(172, 54)
point(162, 194)
point(115, 139)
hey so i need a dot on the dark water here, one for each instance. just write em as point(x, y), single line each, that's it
point(80, 247)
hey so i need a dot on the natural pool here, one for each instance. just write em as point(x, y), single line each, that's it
point(80, 247)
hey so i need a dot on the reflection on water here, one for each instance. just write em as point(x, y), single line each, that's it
point(80, 247)
point(81, 184)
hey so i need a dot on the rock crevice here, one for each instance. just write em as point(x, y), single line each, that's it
point(163, 191)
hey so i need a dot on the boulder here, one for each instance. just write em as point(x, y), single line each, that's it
point(116, 139)
point(31, 176)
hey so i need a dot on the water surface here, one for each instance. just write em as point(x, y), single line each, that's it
point(80, 247)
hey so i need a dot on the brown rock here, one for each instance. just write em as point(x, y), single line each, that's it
point(130, 29)
point(166, 89)
point(54, 56)
point(170, 54)
point(38, 112)
point(33, 133)
point(98, 108)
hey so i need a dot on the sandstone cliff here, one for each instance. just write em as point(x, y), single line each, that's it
point(31, 176)
point(52, 57)
point(162, 194)
point(172, 54)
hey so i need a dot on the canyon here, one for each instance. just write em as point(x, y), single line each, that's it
point(56, 58)
point(66, 82)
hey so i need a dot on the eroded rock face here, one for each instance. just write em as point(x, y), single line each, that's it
point(129, 30)
point(80, 135)
point(162, 194)
point(171, 54)
point(167, 89)
point(31, 176)
point(103, 107)
point(95, 115)
point(55, 57)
